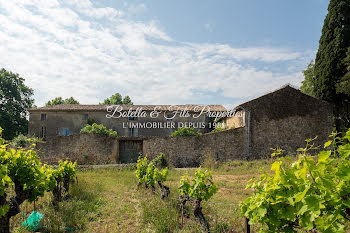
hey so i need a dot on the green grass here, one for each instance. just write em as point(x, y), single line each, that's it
point(109, 200)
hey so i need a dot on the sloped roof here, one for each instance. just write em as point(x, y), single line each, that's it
point(94, 108)
point(285, 101)
point(284, 88)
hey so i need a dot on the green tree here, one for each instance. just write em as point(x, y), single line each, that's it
point(344, 84)
point(114, 99)
point(117, 99)
point(307, 86)
point(59, 100)
point(127, 100)
point(71, 100)
point(15, 99)
point(329, 64)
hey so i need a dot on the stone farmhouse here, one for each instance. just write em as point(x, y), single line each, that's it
point(284, 118)
point(127, 120)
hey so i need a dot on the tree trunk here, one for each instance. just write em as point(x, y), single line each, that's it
point(4, 220)
point(165, 191)
point(197, 211)
point(5, 224)
point(57, 194)
point(66, 186)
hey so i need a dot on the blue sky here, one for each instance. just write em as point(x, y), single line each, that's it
point(159, 52)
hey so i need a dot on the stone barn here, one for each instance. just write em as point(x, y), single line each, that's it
point(284, 118)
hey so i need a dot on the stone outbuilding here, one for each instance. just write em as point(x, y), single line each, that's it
point(284, 118)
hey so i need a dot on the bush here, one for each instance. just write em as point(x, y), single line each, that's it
point(311, 194)
point(185, 131)
point(91, 121)
point(99, 129)
point(219, 128)
point(161, 161)
point(19, 141)
point(23, 141)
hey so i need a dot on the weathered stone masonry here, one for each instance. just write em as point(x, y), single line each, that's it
point(283, 118)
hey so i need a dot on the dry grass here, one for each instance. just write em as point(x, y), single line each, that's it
point(108, 200)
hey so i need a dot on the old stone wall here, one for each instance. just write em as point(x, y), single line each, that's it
point(288, 133)
point(83, 148)
point(285, 118)
point(189, 151)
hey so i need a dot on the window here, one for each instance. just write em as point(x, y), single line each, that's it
point(133, 132)
point(43, 132)
point(43, 117)
point(65, 132)
point(85, 117)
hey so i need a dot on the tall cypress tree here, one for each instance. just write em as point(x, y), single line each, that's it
point(333, 45)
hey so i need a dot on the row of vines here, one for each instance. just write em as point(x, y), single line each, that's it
point(202, 187)
point(27, 179)
point(307, 193)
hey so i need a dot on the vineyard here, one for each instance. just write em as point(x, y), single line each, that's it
point(298, 194)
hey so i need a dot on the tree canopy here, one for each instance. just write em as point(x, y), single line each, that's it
point(15, 99)
point(59, 100)
point(118, 99)
point(307, 86)
point(334, 43)
point(344, 85)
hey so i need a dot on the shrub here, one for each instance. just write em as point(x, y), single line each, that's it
point(98, 129)
point(161, 161)
point(185, 131)
point(219, 128)
point(90, 121)
point(19, 141)
point(23, 141)
point(311, 194)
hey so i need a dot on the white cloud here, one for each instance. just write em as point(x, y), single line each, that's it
point(63, 49)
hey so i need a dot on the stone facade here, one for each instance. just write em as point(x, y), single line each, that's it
point(83, 148)
point(63, 120)
point(190, 151)
point(283, 118)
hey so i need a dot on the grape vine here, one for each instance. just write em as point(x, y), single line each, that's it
point(149, 175)
point(201, 188)
point(312, 194)
point(22, 170)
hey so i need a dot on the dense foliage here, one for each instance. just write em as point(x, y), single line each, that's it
point(118, 99)
point(59, 100)
point(334, 42)
point(185, 131)
point(330, 67)
point(30, 179)
point(15, 99)
point(149, 175)
point(161, 161)
point(202, 186)
point(307, 86)
point(99, 129)
point(344, 85)
point(312, 193)
point(23, 141)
